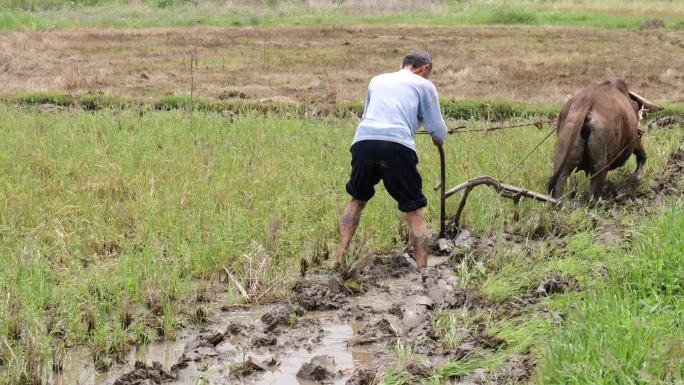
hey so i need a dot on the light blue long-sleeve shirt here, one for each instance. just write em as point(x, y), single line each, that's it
point(397, 104)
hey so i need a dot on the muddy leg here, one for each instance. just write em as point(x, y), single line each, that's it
point(348, 225)
point(641, 159)
point(597, 181)
point(597, 154)
point(419, 235)
point(559, 186)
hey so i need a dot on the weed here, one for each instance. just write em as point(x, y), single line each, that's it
point(469, 270)
point(512, 16)
point(403, 352)
point(357, 257)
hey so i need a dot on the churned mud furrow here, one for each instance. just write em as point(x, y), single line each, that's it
point(324, 335)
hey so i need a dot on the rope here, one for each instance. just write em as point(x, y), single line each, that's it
point(529, 154)
point(459, 129)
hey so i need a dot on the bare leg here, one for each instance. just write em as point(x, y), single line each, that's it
point(419, 235)
point(641, 159)
point(348, 225)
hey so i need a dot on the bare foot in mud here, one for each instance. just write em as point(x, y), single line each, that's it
point(421, 262)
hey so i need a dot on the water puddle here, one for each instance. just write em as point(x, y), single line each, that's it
point(79, 369)
point(333, 344)
point(344, 338)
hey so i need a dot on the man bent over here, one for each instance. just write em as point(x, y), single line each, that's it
point(397, 104)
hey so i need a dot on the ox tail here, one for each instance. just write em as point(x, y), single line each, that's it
point(568, 130)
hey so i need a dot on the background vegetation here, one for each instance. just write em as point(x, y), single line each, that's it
point(51, 14)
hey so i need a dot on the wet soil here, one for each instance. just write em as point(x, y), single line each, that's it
point(146, 375)
point(323, 334)
point(666, 183)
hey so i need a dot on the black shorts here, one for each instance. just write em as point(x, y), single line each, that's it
point(395, 164)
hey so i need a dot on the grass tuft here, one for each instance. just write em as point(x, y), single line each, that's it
point(628, 328)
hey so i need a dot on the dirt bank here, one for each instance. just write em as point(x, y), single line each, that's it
point(542, 64)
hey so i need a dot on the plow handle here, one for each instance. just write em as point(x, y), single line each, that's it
point(442, 197)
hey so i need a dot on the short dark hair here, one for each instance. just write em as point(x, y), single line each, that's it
point(417, 58)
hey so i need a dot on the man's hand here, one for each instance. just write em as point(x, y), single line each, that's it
point(437, 142)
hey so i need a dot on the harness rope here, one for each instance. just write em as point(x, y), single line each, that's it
point(528, 154)
point(459, 129)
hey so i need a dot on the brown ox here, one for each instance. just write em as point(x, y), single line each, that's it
point(598, 130)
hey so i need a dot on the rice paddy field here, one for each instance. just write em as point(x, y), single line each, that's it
point(136, 188)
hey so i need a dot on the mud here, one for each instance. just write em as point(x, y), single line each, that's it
point(146, 375)
point(322, 334)
point(667, 182)
point(388, 266)
point(419, 370)
point(281, 315)
point(251, 367)
point(363, 376)
point(381, 331)
point(319, 369)
point(320, 293)
point(439, 284)
point(555, 284)
point(666, 122)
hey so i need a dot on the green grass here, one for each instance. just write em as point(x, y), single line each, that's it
point(462, 109)
point(628, 329)
point(60, 14)
point(115, 212)
point(466, 109)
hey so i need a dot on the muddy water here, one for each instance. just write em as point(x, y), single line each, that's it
point(335, 333)
point(334, 344)
point(318, 333)
point(79, 368)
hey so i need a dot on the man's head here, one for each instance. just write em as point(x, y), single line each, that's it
point(418, 61)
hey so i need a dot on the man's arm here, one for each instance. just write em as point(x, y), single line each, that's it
point(432, 116)
point(365, 105)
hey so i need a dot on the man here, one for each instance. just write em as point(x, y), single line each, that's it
point(397, 104)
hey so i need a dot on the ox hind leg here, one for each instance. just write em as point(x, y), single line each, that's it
point(574, 159)
point(641, 157)
point(597, 181)
point(559, 183)
point(597, 161)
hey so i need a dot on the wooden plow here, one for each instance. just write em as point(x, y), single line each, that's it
point(504, 190)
